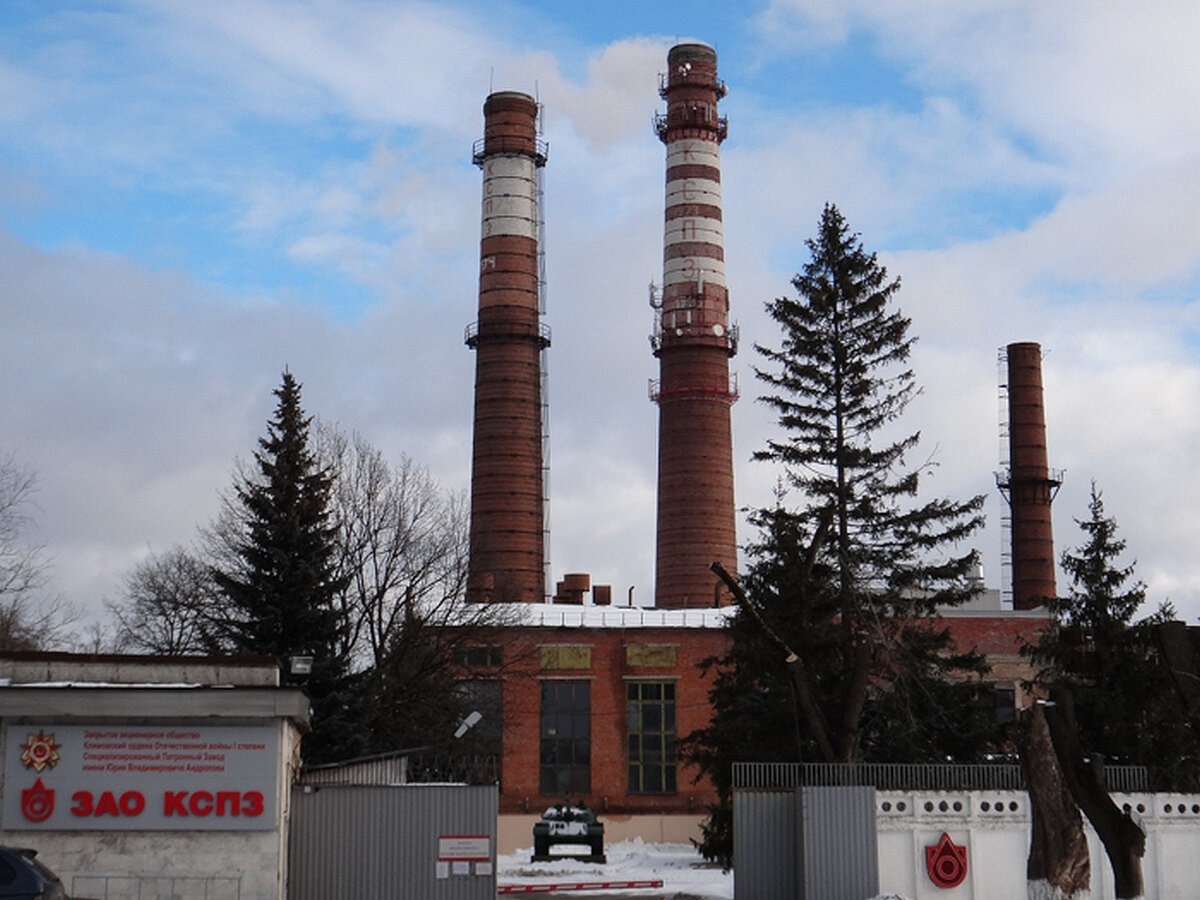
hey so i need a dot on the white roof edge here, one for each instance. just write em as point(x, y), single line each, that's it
point(549, 615)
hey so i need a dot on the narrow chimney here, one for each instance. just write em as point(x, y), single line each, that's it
point(693, 341)
point(507, 547)
point(1029, 484)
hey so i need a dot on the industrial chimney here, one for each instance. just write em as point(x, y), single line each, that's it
point(693, 341)
point(1027, 483)
point(507, 542)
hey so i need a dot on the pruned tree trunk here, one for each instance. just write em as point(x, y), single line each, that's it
point(1058, 867)
point(802, 678)
point(1123, 839)
point(834, 745)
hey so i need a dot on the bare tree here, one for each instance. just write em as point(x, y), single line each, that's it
point(30, 619)
point(402, 542)
point(21, 566)
point(169, 598)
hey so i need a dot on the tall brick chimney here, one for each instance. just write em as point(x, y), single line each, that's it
point(1028, 484)
point(693, 341)
point(507, 542)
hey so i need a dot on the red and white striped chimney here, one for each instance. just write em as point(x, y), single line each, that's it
point(693, 342)
point(507, 543)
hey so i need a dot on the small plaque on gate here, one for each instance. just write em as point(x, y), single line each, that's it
point(465, 847)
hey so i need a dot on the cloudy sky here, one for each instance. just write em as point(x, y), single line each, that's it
point(195, 195)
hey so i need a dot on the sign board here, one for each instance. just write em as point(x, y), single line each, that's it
point(155, 778)
point(465, 847)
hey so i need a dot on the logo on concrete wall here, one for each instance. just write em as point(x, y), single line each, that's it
point(40, 752)
point(946, 862)
point(37, 802)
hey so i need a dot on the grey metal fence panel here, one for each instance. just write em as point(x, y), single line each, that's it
point(381, 770)
point(837, 848)
point(818, 843)
point(381, 842)
point(764, 845)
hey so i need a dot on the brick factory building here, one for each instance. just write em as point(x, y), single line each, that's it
point(592, 700)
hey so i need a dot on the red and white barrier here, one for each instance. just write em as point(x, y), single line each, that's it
point(576, 886)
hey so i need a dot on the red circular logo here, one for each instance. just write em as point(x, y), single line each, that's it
point(946, 863)
point(37, 802)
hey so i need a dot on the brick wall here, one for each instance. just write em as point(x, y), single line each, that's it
point(607, 658)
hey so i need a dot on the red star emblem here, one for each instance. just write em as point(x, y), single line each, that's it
point(40, 752)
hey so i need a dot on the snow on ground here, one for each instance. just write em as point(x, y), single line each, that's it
point(683, 872)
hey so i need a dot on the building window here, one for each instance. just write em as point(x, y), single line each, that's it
point(566, 766)
point(650, 714)
point(478, 656)
point(485, 697)
point(1005, 704)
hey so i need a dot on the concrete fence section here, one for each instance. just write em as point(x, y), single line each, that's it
point(790, 842)
point(993, 829)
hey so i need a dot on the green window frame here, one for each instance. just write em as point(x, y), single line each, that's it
point(479, 656)
point(650, 724)
point(566, 738)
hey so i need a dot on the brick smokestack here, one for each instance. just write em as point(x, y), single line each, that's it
point(1029, 484)
point(507, 543)
point(693, 342)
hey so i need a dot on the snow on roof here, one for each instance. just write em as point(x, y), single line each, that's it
point(4, 682)
point(566, 616)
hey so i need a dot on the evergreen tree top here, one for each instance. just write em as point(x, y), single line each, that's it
point(281, 592)
point(837, 381)
point(1101, 596)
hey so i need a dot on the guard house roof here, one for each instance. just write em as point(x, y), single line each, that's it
point(97, 686)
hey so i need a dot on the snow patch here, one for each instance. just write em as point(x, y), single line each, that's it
point(1043, 890)
point(684, 873)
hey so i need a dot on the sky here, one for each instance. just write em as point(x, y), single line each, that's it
point(194, 196)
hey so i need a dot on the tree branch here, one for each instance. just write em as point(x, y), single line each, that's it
point(798, 670)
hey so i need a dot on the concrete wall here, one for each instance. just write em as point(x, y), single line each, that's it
point(144, 865)
point(994, 827)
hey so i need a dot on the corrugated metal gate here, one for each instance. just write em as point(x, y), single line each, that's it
point(803, 843)
point(402, 842)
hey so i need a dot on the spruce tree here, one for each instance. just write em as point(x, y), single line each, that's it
point(1110, 698)
point(850, 566)
point(839, 383)
point(1124, 705)
point(280, 589)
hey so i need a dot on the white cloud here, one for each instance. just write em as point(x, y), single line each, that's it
point(612, 105)
point(1096, 85)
